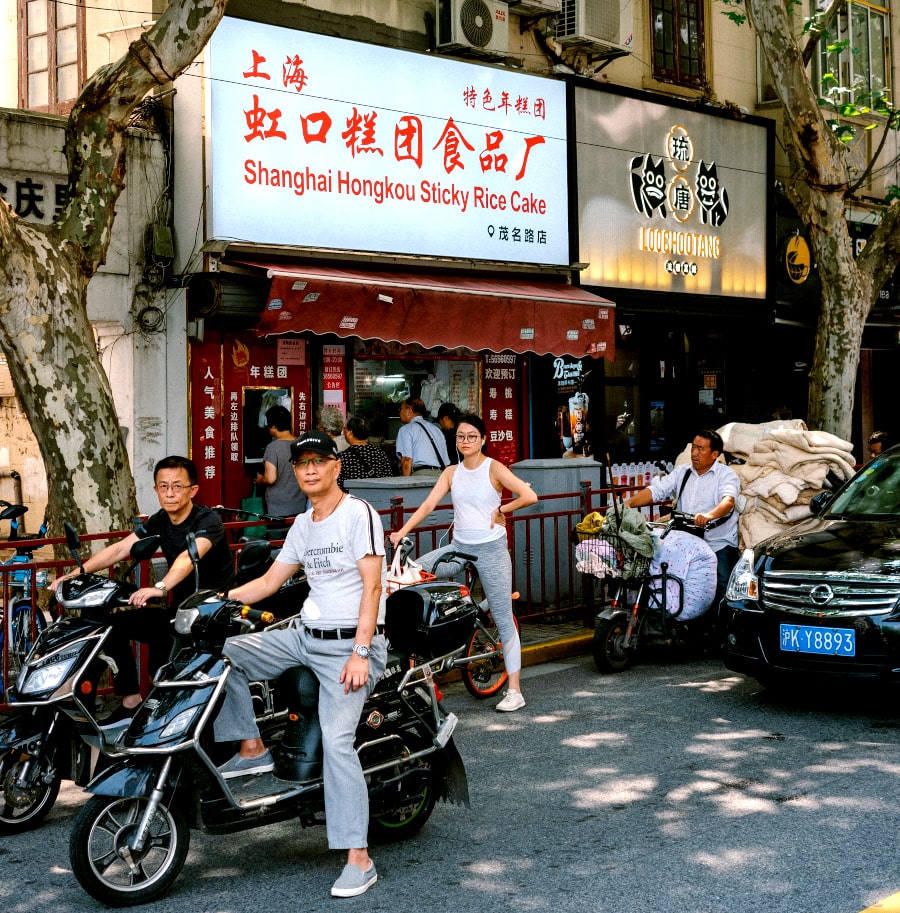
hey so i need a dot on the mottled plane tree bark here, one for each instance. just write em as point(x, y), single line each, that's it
point(45, 270)
point(819, 187)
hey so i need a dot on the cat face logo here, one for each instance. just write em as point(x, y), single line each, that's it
point(797, 260)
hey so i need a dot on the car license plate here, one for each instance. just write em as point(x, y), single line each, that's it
point(810, 639)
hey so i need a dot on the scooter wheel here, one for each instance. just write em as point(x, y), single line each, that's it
point(23, 808)
point(105, 865)
point(406, 819)
point(610, 652)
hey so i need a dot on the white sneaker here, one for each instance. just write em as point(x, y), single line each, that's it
point(512, 701)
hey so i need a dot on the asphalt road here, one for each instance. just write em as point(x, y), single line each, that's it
point(674, 787)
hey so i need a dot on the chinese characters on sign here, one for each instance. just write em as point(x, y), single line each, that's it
point(303, 155)
point(34, 197)
point(334, 377)
point(501, 410)
point(655, 195)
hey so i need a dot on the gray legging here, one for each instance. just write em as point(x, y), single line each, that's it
point(495, 571)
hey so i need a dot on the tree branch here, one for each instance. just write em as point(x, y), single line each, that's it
point(96, 132)
point(822, 21)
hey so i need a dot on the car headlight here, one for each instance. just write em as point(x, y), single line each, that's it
point(185, 618)
point(743, 583)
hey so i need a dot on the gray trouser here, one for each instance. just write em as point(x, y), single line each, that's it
point(264, 656)
point(495, 572)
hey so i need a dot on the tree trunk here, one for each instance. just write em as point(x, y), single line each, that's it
point(44, 273)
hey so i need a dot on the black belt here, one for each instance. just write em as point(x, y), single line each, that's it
point(338, 633)
point(424, 466)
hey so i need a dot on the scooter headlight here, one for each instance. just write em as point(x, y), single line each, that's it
point(185, 618)
point(179, 724)
point(46, 676)
point(743, 583)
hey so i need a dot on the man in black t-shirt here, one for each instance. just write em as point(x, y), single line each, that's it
point(175, 479)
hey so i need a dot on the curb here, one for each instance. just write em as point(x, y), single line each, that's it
point(574, 645)
point(548, 651)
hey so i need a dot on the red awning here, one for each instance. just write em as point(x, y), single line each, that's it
point(438, 310)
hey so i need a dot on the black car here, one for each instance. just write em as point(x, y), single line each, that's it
point(823, 599)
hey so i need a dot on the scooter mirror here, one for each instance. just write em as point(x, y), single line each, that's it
point(145, 548)
point(195, 555)
point(73, 540)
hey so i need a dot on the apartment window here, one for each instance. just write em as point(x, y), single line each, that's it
point(51, 54)
point(855, 52)
point(678, 42)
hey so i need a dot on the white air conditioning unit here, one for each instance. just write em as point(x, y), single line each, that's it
point(604, 24)
point(527, 9)
point(480, 27)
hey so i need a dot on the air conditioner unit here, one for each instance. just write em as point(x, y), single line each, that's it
point(534, 8)
point(480, 27)
point(604, 24)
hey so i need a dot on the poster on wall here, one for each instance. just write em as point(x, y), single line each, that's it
point(323, 142)
point(234, 380)
point(502, 372)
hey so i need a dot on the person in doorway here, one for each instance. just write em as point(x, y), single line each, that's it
point(448, 418)
point(420, 444)
point(878, 442)
point(175, 479)
point(283, 495)
point(362, 460)
point(708, 490)
point(331, 421)
point(479, 527)
point(340, 542)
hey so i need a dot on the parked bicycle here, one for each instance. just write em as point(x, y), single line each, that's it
point(21, 621)
point(481, 662)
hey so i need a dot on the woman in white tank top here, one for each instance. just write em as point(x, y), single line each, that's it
point(479, 523)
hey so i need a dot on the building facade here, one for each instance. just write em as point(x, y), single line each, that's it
point(324, 251)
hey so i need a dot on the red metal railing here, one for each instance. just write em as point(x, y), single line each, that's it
point(540, 543)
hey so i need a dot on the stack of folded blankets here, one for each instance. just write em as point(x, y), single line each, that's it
point(785, 466)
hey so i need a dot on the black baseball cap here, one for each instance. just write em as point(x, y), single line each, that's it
point(317, 442)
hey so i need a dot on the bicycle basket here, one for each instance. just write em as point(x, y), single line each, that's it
point(630, 562)
point(429, 620)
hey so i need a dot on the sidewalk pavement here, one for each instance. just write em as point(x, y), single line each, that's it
point(543, 643)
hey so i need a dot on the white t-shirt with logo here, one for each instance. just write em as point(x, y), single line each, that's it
point(329, 550)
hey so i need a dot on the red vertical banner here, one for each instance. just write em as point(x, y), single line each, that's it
point(334, 377)
point(235, 378)
point(501, 406)
point(207, 432)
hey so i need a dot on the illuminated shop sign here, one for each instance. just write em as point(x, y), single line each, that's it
point(670, 200)
point(321, 142)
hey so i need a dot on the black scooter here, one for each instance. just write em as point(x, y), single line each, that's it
point(52, 733)
point(130, 841)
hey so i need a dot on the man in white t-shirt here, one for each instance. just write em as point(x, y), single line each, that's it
point(340, 543)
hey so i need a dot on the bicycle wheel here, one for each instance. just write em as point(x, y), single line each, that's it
point(22, 640)
point(485, 677)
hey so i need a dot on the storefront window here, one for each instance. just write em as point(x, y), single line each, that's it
point(380, 385)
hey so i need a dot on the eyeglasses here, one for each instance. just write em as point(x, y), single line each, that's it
point(314, 461)
point(468, 438)
point(176, 487)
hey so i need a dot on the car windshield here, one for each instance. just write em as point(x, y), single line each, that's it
point(873, 493)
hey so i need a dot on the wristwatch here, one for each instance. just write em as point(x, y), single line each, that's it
point(161, 586)
point(361, 651)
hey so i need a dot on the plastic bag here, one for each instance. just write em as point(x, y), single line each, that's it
point(254, 505)
point(406, 573)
